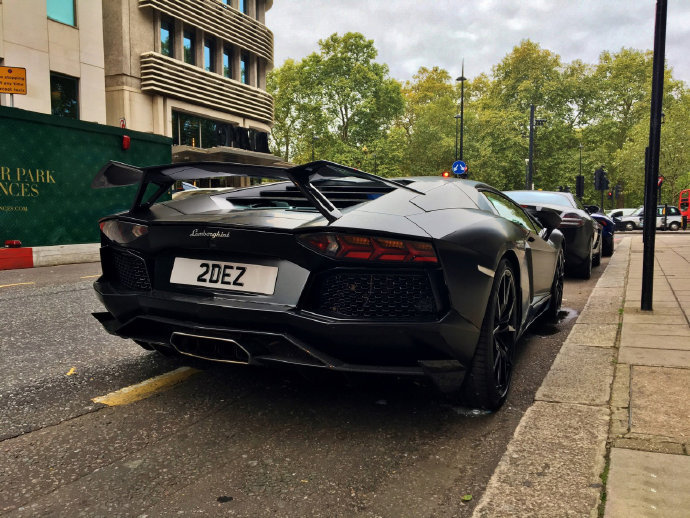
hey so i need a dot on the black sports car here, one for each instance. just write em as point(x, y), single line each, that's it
point(583, 236)
point(325, 266)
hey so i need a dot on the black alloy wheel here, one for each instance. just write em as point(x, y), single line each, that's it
point(487, 384)
point(556, 288)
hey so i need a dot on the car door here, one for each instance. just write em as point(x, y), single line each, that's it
point(541, 254)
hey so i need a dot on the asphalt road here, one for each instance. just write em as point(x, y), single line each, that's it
point(230, 440)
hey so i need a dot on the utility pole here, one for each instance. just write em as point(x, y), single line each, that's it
point(652, 164)
point(530, 166)
point(462, 80)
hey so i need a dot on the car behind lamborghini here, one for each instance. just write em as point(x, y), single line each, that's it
point(325, 266)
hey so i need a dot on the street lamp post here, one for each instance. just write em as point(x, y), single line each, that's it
point(581, 146)
point(314, 138)
point(457, 117)
point(529, 180)
point(462, 80)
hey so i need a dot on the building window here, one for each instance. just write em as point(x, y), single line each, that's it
point(209, 55)
point(167, 31)
point(61, 11)
point(243, 7)
point(244, 69)
point(189, 50)
point(64, 96)
point(227, 61)
point(189, 130)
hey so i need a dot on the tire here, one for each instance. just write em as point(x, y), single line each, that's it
point(556, 289)
point(488, 382)
point(607, 247)
point(584, 271)
point(674, 225)
point(596, 259)
point(629, 225)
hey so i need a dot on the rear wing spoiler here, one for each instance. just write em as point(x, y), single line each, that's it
point(117, 174)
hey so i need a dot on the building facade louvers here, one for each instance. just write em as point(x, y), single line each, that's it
point(193, 70)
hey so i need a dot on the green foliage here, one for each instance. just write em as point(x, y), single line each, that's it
point(340, 104)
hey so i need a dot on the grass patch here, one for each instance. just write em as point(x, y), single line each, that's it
point(604, 476)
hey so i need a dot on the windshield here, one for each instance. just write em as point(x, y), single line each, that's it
point(536, 197)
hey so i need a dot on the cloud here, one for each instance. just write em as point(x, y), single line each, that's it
point(414, 33)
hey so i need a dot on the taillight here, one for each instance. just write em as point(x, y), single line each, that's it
point(571, 220)
point(121, 231)
point(369, 248)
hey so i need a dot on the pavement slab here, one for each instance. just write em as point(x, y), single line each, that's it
point(594, 335)
point(579, 375)
point(644, 485)
point(649, 341)
point(657, 329)
point(552, 465)
point(666, 410)
point(654, 357)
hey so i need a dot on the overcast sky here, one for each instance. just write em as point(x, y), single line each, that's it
point(413, 33)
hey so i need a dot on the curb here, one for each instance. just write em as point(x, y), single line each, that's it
point(32, 257)
point(554, 463)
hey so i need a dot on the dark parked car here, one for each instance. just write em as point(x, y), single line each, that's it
point(583, 243)
point(608, 229)
point(332, 268)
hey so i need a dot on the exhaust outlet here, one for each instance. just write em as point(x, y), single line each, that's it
point(210, 348)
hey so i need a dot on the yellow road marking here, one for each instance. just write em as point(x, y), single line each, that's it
point(16, 284)
point(89, 276)
point(146, 388)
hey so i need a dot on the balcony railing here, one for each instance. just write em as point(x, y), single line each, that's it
point(172, 78)
point(220, 20)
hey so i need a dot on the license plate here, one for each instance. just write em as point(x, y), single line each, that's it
point(251, 278)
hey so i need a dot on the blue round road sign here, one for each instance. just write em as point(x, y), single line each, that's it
point(459, 167)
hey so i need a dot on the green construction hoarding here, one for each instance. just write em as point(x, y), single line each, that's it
point(46, 167)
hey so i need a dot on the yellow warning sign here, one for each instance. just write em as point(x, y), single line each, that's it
point(13, 80)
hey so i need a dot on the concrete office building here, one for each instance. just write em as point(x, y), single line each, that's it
point(193, 70)
point(60, 43)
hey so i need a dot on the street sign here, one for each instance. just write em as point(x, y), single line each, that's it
point(13, 80)
point(660, 181)
point(459, 167)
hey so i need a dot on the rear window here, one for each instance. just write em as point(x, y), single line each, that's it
point(536, 197)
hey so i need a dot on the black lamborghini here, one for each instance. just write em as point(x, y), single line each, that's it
point(325, 266)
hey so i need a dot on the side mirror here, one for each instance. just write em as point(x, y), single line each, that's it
point(592, 209)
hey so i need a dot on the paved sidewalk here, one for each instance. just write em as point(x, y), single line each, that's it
point(609, 432)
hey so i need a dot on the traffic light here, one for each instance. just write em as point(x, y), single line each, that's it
point(601, 180)
point(618, 191)
point(598, 176)
point(609, 195)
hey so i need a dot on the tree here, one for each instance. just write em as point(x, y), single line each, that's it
point(297, 114)
point(335, 101)
point(428, 123)
point(355, 92)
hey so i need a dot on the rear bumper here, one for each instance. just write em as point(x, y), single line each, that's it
point(576, 246)
point(276, 334)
